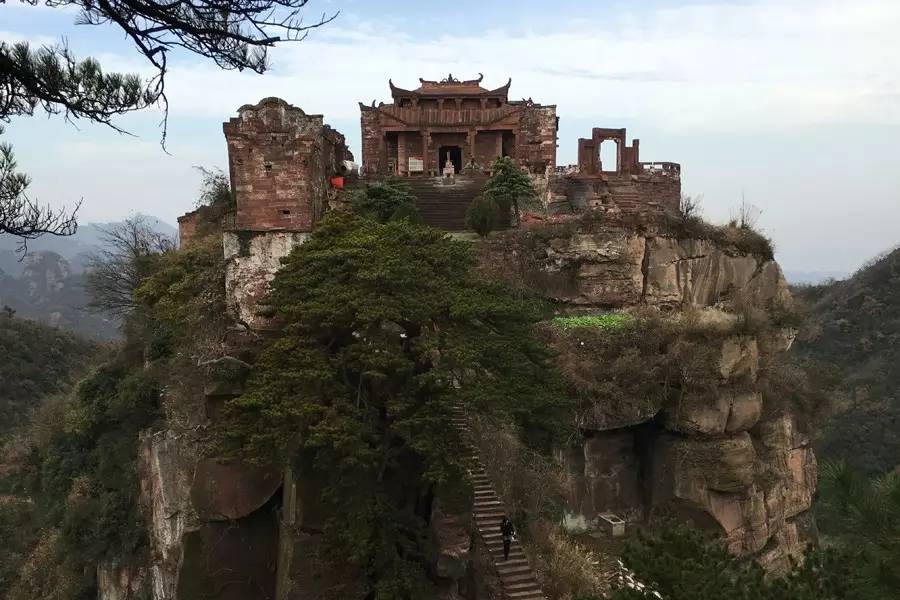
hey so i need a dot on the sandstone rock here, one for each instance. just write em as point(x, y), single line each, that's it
point(693, 271)
point(166, 468)
point(122, 582)
point(222, 492)
point(229, 560)
point(602, 476)
point(714, 413)
point(746, 409)
point(739, 359)
point(607, 267)
point(699, 413)
point(619, 413)
point(251, 261)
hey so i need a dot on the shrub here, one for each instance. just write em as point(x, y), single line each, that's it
point(740, 233)
point(483, 215)
point(388, 200)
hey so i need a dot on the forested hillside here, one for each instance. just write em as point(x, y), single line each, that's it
point(853, 334)
point(36, 361)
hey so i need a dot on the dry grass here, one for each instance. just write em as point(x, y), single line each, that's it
point(567, 568)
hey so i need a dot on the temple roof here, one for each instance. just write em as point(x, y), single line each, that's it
point(450, 86)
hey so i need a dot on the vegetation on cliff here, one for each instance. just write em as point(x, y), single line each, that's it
point(853, 333)
point(37, 361)
point(385, 328)
point(74, 484)
point(509, 187)
point(677, 562)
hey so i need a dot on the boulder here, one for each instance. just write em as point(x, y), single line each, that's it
point(223, 492)
point(714, 413)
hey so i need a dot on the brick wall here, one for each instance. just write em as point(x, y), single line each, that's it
point(187, 227)
point(537, 137)
point(373, 156)
point(280, 160)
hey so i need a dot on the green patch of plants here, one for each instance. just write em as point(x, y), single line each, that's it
point(609, 321)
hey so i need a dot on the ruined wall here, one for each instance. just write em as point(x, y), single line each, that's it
point(536, 139)
point(187, 227)
point(280, 160)
point(373, 158)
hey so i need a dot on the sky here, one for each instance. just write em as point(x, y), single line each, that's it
point(790, 105)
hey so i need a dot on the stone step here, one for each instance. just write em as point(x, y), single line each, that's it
point(528, 595)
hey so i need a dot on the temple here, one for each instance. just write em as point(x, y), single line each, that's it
point(288, 168)
point(458, 123)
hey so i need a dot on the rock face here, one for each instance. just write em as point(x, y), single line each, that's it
point(709, 454)
point(618, 267)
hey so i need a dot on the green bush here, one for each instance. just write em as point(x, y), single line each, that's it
point(483, 215)
point(388, 200)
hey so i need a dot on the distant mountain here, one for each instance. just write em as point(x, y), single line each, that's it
point(813, 277)
point(854, 331)
point(46, 283)
point(75, 248)
point(48, 291)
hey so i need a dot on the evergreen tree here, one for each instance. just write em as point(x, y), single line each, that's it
point(509, 186)
point(386, 328)
point(482, 215)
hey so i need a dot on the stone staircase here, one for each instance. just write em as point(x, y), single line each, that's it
point(516, 577)
point(625, 195)
point(444, 205)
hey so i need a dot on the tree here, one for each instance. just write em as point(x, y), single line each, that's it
point(863, 514)
point(482, 215)
point(678, 562)
point(127, 259)
point(509, 186)
point(386, 328)
point(21, 216)
point(383, 201)
point(235, 34)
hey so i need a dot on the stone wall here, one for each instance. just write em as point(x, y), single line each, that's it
point(536, 139)
point(187, 227)
point(374, 159)
point(280, 160)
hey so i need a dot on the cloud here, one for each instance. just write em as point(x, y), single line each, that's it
point(708, 66)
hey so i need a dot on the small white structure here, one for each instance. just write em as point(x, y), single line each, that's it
point(611, 525)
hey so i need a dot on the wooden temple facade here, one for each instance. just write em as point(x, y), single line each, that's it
point(458, 123)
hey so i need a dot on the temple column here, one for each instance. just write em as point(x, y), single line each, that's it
point(499, 144)
point(426, 151)
point(402, 159)
point(470, 137)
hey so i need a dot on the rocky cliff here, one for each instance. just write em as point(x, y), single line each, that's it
point(698, 438)
point(708, 448)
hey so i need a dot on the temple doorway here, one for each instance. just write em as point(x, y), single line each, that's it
point(455, 154)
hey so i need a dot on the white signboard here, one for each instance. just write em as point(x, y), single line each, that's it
point(416, 165)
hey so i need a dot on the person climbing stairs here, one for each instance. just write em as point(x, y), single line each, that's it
point(515, 573)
